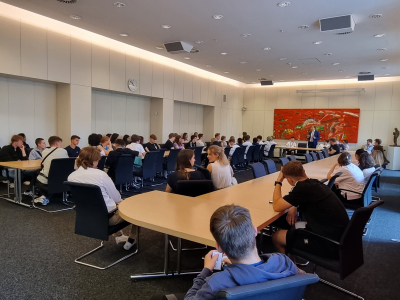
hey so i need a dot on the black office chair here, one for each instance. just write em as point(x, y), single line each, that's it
point(162, 146)
point(101, 163)
point(92, 219)
point(332, 180)
point(249, 154)
point(325, 153)
point(60, 169)
point(320, 155)
point(170, 164)
point(258, 170)
point(160, 161)
point(308, 158)
point(256, 153)
point(238, 157)
point(291, 157)
point(283, 160)
point(301, 152)
point(271, 167)
point(148, 169)
point(377, 181)
point(314, 156)
point(292, 287)
point(261, 153)
point(197, 155)
point(124, 171)
point(271, 151)
point(350, 247)
point(384, 165)
point(204, 171)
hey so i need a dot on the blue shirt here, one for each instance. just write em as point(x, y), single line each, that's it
point(73, 152)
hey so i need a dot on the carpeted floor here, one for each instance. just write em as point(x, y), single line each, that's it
point(37, 251)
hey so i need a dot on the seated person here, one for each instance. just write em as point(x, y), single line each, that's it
point(220, 169)
point(378, 157)
point(185, 138)
point(268, 144)
point(247, 144)
point(26, 146)
point(358, 154)
point(113, 138)
point(94, 141)
point(169, 144)
point(324, 145)
point(151, 145)
point(255, 142)
point(73, 149)
point(178, 142)
point(136, 146)
point(290, 145)
point(259, 140)
point(244, 266)
point(368, 147)
point(88, 173)
point(352, 178)
point(217, 140)
point(346, 145)
point(240, 142)
point(105, 145)
point(233, 146)
point(334, 149)
point(193, 141)
point(223, 141)
point(196, 134)
point(126, 139)
point(200, 142)
point(183, 170)
point(324, 213)
point(55, 151)
point(244, 134)
point(36, 153)
point(367, 165)
point(112, 159)
point(377, 146)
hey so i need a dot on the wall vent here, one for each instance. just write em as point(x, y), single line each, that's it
point(67, 1)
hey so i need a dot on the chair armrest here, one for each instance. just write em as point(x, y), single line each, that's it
point(323, 180)
point(319, 236)
point(350, 191)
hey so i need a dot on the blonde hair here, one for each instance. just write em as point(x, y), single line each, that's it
point(87, 156)
point(104, 139)
point(378, 157)
point(214, 149)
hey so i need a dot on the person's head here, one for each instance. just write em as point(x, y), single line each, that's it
point(100, 136)
point(201, 136)
point(185, 136)
point(153, 138)
point(344, 159)
point(332, 141)
point(126, 139)
point(17, 140)
point(75, 140)
point(193, 138)
point(232, 137)
point(358, 153)
point(217, 136)
point(213, 140)
point(185, 159)
point(195, 134)
point(259, 138)
point(378, 142)
point(345, 141)
point(88, 157)
point(312, 128)
point(135, 139)
point(55, 141)
point(109, 135)
point(234, 232)
point(141, 139)
point(215, 153)
point(326, 141)
point(378, 157)
point(104, 140)
point(23, 137)
point(114, 137)
point(244, 133)
point(231, 141)
point(119, 143)
point(240, 141)
point(40, 143)
point(94, 140)
point(178, 140)
point(366, 161)
point(369, 141)
point(269, 138)
point(171, 137)
point(292, 139)
point(255, 140)
point(247, 137)
point(294, 172)
point(223, 138)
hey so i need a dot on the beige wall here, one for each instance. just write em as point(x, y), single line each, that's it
point(379, 105)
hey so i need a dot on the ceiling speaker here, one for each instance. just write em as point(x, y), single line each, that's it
point(366, 77)
point(342, 24)
point(178, 47)
point(266, 82)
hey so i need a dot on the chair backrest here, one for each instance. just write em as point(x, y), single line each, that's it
point(197, 155)
point(333, 178)
point(308, 157)
point(351, 247)
point(325, 153)
point(193, 188)
point(60, 169)
point(256, 153)
point(249, 154)
point(171, 160)
point(367, 193)
point(292, 157)
point(227, 150)
point(314, 156)
point(283, 160)
point(238, 156)
point(204, 171)
point(160, 160)
point(91, 210)
point(302, 145)
point(124, 169)
point(271, 167)
point(258, 170)
point(149, 164)
point(101, 163)
point(161, 146)
point(292, 287)
point(271, 151)
point(208, 144)
point(261, 155)
point(320, 155)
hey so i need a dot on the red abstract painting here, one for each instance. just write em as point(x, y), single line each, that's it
point(339, 123)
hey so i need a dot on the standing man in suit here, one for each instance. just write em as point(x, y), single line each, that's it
point(313, 137)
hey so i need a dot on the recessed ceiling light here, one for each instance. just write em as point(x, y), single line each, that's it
point(317, 43)
point(335, 64)
point(119, 4)
point(258, 70)
point(341, 71)
point(208, 66)
point(303, 26)
point(243, 62)
point(218, 17)
point(123, 34)
point(281, 31)
point(375, 16)
point(386, 74)
point(159, 48)
point(267, 48)
point(199, 42)
point(328, 54)
point(283, 58)
point(289, 64)
point(246, 34)
point(166, 26)
point(347, 77)
point(379, 35)
point(385, 68)
point(271, 75)
point(226, 72)
point(75, 17)
point(304, 73)
point(224, 53)
point(186, 57)
point(294, 67)
point(382, 49)
point(385, 59)
point(283, 4)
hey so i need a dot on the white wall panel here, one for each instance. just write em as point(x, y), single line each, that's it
point(230, 130)
point(249, 96)
point(103, 112)
point(4, 115)
point(81, 62)
point(211, 92)
point(271, 97)
point(81, 100)
point(218, 94)
point(177, 116)
point(199, 126)
point(132, 67)
point(45, 111)
point(258, 125)
point(367, 98)
point(144, 117)
point(59, 57)
point(352, 99)
point(283, 97)
point(322, 99)
point(146, 77)
point(224, 121)
point(336, 99)
point(380, 126)
point(33, 51)
point(196, 89)
point(188, 87)
point(192, 117)
point(217, 121)
point(204, 91)
point(248, 121)
point(184, 119)
point(308, 99)
point(259, 99)
point(178, 85)
point(157, 89)
point(10, 50)
point(93, 108)
point(383, 98)
point(268, 123)
point(100, 67)
point(169, 82)
point(294, 98)
point(117, 71)
point(396, 96)
point(132, 115)
point(118, 114)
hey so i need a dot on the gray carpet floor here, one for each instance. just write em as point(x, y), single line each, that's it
point(37, 252)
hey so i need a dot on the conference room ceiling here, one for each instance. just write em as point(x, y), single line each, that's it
point(269, 26)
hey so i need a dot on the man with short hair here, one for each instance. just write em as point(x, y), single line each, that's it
point(151, 145)
point(136, 146)
point(73, 149)
point(368, 147)
point(217, 140)
point(324, 145)
point(334, 149)
point(268, 144)
point(26, 146)
point(313, 137)
point(196, 135)
point(200, 142)
point(169, 144)
point(289, 147)
point(325, 214)
point(235, 234)
point(36, 153)
point(233, 146)
point(113, 157)
point(259, 140)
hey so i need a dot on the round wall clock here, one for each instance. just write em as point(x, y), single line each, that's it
point(132, 85)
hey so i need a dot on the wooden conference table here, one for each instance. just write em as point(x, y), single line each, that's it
point(189, 218)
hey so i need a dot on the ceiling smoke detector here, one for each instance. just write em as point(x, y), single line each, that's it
point(75, 17)
point(218, 17)
point(67, 1)
point(375, 16)
point(283, 4)
point(119, 4)
point(304, 26)
point(343, 33)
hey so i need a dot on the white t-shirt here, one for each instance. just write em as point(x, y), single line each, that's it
point(136, 147)
point(268, 146)
point(367, 174)
point(260, 142)
point(291, 144)
point(221, 175)
point(200, 143)
point(352, 179)
point(97, 177)
point(59, 153)
point(233, 149)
